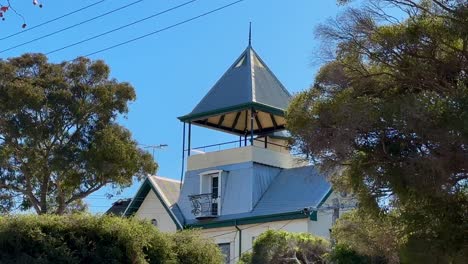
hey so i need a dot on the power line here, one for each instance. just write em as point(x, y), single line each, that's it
point(235, 231)
point(52, 20)
point(122, 27)
point(164, 29)
point(72, 26)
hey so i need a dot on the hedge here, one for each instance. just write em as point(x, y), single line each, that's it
point(97, 239)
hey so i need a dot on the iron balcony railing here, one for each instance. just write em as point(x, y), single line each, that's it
point(204, 205)
point(237, 144)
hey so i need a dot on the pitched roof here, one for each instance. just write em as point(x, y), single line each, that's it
point(292, 190)
point(118, 207)
point(248, 82)
point(167, 190)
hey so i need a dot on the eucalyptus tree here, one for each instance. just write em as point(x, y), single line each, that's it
point(59, 136)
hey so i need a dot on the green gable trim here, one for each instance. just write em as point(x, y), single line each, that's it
point(140, 197)
point(255, 105)
point(250, 220)
point(313, 215)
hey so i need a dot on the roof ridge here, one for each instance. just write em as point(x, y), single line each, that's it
point(252, 74)
point(164, 178)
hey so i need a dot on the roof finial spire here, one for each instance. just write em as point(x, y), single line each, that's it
point(250, 34)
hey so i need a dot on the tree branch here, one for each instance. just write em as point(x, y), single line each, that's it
point(83, 194)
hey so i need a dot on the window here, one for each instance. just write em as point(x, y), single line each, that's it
point(240, 62)
point(214, 194)
point(226, 251)
point(210, 185)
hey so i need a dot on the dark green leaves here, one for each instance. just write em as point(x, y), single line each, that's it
point(391, 110)
point(59, 140)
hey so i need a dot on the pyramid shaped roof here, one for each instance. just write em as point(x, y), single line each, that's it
point(247, 84)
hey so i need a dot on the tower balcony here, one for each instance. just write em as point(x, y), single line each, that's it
point(276, 156)
point(204, 205)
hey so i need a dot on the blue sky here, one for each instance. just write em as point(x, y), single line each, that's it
point(171, 71)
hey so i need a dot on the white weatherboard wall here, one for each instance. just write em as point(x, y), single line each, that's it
point(152, 208)
point(249, 232)
point(322, 226)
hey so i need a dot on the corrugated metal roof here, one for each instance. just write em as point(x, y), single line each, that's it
point(170, 188)
point(290, 191)
point(247, 81)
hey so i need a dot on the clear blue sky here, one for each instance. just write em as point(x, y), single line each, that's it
point(173, 70)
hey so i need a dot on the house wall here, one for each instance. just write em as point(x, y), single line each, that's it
point(152, 208)
point(250, 232)
point(230, 235)
point(322, 226)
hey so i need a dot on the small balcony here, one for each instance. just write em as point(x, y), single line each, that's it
point(204, 206)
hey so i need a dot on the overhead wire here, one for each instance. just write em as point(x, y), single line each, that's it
point(72, 26)
point(164, 29)
point(52, 20)
point(235, 231)
point(121, 27)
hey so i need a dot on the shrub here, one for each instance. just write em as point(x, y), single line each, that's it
point(190, 247)
point(285, 247)
point(343, 254)
point(103, 239)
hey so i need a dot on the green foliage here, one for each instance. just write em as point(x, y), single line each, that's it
point(285, 247)
point(343, 254)
point(245, 258)
point(59, 140)
point(391, 110)
point(82, 238)
point(190, 247)
point(378, 238)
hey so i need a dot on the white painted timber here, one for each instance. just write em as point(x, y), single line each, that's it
point(243, 154)
point(152, 208)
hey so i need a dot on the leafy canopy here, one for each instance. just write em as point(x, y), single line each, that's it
point(59, 139)
point(391, 109)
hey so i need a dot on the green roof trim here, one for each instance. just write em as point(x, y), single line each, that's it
point(140, 197)
point(254, 105)
point(251, 220)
